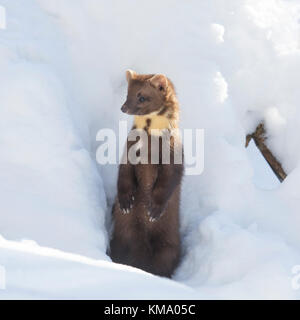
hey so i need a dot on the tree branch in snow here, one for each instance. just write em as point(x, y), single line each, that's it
point(259, 137)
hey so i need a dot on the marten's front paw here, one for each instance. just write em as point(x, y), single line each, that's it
point(155, 212)
point(126, 201)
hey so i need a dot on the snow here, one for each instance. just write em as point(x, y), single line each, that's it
point(2, 18)
point(36, 272)
point(62, 79)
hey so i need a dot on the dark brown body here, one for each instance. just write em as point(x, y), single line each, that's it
point(146, 235)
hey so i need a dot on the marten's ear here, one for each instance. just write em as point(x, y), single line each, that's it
point(130, 74)
point(160, 82)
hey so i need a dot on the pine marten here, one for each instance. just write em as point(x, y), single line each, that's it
point(146, 209)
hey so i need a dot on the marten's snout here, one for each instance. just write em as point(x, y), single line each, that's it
point(124, 108)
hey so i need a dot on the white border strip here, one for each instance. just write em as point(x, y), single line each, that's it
point(2, 18)
point(2, 278)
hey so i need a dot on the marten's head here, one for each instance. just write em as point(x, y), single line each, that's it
point(147, 94)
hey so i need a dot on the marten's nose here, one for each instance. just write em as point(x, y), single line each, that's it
point(124, 108)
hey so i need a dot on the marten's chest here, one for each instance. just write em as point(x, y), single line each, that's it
point(145, 154)
point(146, 149)
point(146, 175)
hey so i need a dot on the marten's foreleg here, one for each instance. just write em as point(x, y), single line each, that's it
point(168, 178)
point(126, 187)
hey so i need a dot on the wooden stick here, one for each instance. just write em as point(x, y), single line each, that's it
point(259, 137)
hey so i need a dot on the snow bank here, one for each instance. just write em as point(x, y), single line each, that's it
point(50, 190)
point(233, 64)
point(35, 272)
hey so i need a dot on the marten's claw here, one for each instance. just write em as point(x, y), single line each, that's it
point(155, 212)
point(125, 211)
point(126, 202)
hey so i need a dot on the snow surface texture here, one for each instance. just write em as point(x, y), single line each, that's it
point(62, 79)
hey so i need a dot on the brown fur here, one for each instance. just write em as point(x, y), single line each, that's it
point(146, 210)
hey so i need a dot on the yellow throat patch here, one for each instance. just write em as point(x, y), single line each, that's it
point(154, 122)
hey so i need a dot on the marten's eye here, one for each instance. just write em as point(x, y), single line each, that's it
point(142, 99)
